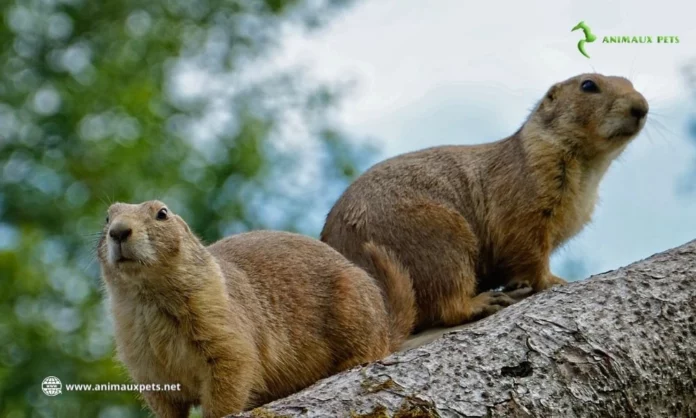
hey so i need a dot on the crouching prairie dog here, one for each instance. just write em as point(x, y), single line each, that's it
point(248, 319)
point(465, 220)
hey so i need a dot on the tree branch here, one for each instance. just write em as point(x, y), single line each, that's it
point(620, 344)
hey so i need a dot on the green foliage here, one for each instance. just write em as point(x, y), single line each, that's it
point(92, 111)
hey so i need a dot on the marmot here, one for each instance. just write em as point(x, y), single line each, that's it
point(465, 220)
point(248, 319)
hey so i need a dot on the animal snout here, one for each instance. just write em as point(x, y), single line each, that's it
point(639, 111)
point(638, 106)
point(120, 232)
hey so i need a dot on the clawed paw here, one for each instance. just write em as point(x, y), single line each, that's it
point(519, 293)
point(501, 299)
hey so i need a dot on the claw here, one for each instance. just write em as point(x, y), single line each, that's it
point(499, 298)
point(520, 293)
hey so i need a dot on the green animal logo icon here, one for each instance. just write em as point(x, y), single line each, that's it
point(589, 37)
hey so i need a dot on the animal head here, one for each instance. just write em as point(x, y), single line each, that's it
point(143, 238)
point(600, 114)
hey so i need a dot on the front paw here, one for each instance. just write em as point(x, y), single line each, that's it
point(550, 282)
point(555, 280)
point(516, 285)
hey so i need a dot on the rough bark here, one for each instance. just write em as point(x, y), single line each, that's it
point(620, 344)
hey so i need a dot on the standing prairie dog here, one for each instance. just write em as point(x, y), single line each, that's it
point(248, 319)
point(464, 220)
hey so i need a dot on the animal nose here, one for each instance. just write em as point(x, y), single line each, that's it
point(120, 232)
point(639, 111)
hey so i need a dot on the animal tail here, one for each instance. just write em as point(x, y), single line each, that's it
point(398, 290)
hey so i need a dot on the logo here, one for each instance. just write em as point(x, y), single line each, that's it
point(591, 37)
point(51, 386)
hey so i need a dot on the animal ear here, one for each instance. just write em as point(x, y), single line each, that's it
point(552, 94)
point(547, 107)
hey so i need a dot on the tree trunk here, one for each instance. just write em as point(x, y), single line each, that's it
point(620, 344)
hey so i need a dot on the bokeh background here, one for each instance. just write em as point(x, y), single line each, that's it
point(247, 114)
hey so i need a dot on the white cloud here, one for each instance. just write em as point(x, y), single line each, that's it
point(401, 51)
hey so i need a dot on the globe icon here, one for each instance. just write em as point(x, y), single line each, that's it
point(51, 386)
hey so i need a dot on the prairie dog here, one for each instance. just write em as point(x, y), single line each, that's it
point(464, 220)
point(248, 319)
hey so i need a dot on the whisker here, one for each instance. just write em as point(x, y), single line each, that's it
point(92, 241)
point(92, 259)
point(657, 112)
point(649, 133)
point(92, 234)
point(633, 63)
point(658, 124)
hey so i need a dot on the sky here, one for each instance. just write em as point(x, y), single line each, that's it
point(455, 73)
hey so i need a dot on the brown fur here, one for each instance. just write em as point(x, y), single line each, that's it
point(246, 320)
point(464, 220)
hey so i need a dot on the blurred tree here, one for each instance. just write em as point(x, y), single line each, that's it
point(132, 100)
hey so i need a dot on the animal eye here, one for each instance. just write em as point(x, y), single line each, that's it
point(589, 86)
point(162, 214)
point(107, 219)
